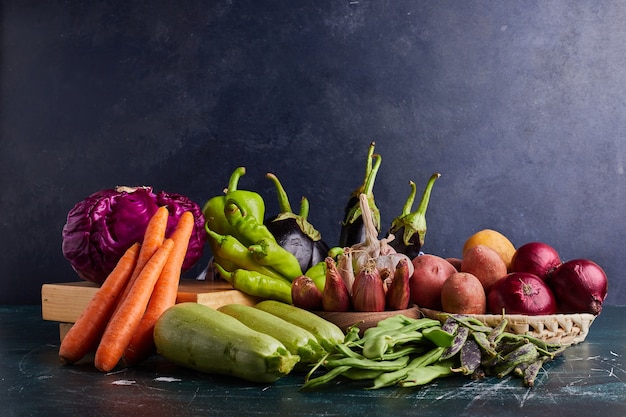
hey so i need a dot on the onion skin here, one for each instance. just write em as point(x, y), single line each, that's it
point(521, 293)
point(398, 295)
point(305, 294)
point(536, 258)
point(580, 286)
point(368, 293)
point(335, 296)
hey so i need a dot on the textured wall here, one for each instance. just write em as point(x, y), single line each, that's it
point(519, 105)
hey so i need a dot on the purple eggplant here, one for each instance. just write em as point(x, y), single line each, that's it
point(294, 232)
point(352, 227)
point(409, 228)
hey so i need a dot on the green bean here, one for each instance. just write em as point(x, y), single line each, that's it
point(352, 334)
point(394, 377)
point(426, 374)
point(402, 351)
point(438, 336)
point(375, 347)
point(358, 374)
point(343, 349)
point(325, 378)
point(392, 365)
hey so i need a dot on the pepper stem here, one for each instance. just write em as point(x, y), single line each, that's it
point(233, 182)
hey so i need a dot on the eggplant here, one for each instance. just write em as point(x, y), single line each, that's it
point(409, 228)
point(352, 228)
point(294, 232)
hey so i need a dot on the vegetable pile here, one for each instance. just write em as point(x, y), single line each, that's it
point(246, 252)
point(136, 244)
point(406, 352)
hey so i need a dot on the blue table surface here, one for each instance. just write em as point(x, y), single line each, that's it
point(588, 379)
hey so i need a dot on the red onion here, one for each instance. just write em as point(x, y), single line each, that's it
point(580, 286)
point(536, 258)
point(521, 293)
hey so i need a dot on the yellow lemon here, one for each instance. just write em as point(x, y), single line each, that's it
point(493, 239)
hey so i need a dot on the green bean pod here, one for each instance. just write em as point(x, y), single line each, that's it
point(392, 365)
point(426, 374)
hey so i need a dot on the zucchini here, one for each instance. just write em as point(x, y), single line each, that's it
point(199, 337)
point(327, 334)
point(297, 340)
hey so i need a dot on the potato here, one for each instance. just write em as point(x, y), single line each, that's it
point(463, 293)
point(456, 262)
point(485, 264)
point(429, 274)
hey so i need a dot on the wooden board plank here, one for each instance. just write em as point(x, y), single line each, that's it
point(64, 302)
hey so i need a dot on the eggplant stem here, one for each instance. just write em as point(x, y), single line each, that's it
point(426, 197)
point(409, 201)
point(283, 199)
point(369, 180)
point(304, 208)
point(370, 154)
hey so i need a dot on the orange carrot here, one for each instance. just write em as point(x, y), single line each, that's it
point(125, 319)
point(86, 332)
point(152, 239)
point(164, 293)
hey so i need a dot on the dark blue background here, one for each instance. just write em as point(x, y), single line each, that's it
point(519, 105)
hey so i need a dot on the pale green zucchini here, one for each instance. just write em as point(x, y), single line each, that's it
point(296, 339)
point(199, 337)
point(327, 334)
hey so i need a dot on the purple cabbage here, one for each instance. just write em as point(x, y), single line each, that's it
point(100, 228)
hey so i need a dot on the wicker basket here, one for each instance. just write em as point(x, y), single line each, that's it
point(567, 329)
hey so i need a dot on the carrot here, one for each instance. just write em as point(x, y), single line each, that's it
point(125, 319)
point(152, 239)
point(85, 334)
point(164, 293)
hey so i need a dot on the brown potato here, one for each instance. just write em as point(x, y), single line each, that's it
point(485, 264)
point(430, 272)
point(463, 293)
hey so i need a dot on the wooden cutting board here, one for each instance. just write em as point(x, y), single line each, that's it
point(64, 302)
